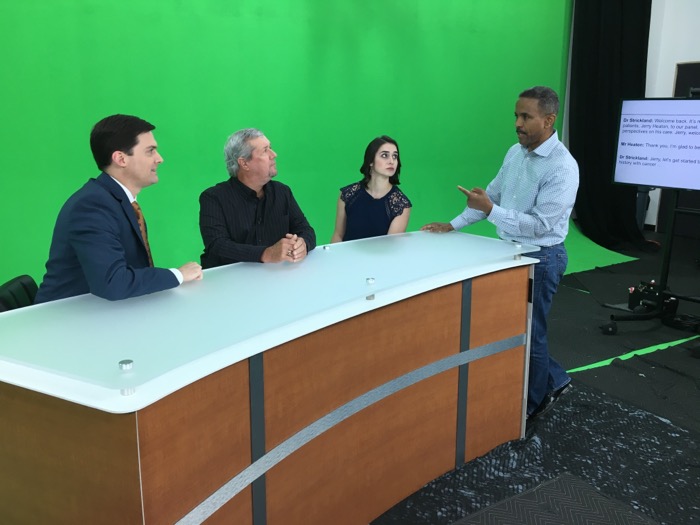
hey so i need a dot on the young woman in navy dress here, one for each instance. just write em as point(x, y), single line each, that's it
point(373, 206)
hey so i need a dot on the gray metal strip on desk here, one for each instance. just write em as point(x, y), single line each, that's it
point(463, 380)
point(257, 434)
point(248, 475)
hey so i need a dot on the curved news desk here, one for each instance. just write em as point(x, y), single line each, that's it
point(319, 392)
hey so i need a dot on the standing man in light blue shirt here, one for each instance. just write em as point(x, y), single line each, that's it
point(530, 201)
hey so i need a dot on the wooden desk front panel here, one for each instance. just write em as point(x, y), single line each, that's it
point(65, 463)
point(361, 467)
point(194, 441)
point(495, 386)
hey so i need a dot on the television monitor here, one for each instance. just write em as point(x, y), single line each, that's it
point(659, 143)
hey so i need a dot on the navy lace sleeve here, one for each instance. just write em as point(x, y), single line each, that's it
point(398, 202)
point(349, 193)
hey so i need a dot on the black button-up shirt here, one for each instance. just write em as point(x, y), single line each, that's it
point(237, 226)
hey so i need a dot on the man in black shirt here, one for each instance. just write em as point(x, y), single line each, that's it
point(250, 217)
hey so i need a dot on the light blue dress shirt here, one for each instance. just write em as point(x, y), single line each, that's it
point(532, 195)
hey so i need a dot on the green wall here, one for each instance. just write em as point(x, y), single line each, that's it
point(320, 78)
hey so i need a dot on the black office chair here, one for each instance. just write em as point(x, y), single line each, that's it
point(17, 292)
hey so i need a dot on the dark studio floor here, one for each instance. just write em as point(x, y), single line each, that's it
point(630, 428)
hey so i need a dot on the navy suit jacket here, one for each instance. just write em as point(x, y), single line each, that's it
point(97, 248)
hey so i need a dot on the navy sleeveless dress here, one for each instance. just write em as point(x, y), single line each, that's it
point(367, 216)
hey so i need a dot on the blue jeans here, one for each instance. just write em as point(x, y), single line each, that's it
point(546, 375)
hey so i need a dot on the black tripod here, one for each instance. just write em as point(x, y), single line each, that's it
point(653, 300)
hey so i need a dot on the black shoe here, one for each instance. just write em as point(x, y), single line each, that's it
point(568, 387)
point(549, 401)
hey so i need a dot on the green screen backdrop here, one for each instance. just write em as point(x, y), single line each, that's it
point(320, 78)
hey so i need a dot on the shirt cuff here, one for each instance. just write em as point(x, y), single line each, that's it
point(497, 215)
point(458, 223)
point(178, 274)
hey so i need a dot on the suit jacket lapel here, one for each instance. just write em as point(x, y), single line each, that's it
point(118, 193)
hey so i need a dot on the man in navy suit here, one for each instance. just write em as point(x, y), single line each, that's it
point(98, 246)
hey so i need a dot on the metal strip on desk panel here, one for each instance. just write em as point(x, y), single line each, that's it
point(526, 364)
point(256, 374)
point(239, 482)
point(463, 379)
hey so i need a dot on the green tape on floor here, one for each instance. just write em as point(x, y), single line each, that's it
point(642, 351)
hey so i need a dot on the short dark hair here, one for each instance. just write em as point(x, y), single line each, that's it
point(547, 99)
point(371, 152)
point(116, 133)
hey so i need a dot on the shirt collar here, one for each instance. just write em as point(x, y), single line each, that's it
point(126, 190)
point(544, 149)
point(242, 188)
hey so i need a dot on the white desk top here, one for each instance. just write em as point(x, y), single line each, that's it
point(71, 349)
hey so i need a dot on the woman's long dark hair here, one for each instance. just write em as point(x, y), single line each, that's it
point(371, 152)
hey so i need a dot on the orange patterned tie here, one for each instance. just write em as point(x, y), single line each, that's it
point(142, 227)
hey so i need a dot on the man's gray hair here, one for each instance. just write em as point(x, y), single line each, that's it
point(237, 146)
point(547, 99)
